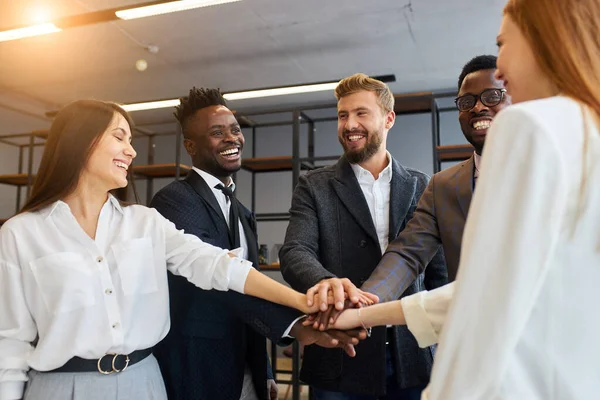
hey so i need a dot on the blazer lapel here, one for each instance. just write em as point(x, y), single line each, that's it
point(402, 191)
point(251, 238)
point(350, 194)
point(201, 187)
point(463, 183)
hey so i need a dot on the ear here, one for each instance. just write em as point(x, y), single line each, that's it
point(190, 147)
point(390, 118)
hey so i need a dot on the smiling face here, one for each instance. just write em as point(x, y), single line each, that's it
point(362, 125)
point(517, 67)
point(215, 141)
point(475, 122)
point(112, 155)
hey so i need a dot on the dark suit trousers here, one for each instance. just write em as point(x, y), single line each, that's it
point(393, 391)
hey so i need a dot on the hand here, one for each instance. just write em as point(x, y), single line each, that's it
point(324, 320)
point(340, 289)
point(330, 339)
point(272, 389)
point(347, 319)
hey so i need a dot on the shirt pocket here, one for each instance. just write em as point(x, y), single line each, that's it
point(135, 263)
point(66, 283)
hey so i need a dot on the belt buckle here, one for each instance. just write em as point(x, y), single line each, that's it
point(114, 368)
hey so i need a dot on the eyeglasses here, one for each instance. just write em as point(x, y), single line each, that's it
point(489, 98)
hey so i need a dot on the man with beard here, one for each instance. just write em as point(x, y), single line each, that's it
point(342, 218)
point(216, 346)
point(441, 214)
point(442, 211)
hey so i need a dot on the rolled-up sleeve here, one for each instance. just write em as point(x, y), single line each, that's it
point(425, 313)
point(203, 264)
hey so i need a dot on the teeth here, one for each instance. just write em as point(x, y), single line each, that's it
point(121, 165)
point(354, 138)
point(229, 152)
point(484, 124)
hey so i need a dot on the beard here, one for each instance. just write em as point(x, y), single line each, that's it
point(367, 151)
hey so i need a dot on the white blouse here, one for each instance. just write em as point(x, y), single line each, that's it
point(524, 320)
point(86, 297)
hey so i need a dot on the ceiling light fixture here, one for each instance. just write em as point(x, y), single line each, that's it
point(255, 93)
point(150, 105)
point(164, 8)
point(29, 31)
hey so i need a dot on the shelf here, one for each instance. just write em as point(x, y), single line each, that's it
point(269, 267)
point(160, 170)
point(457, 152)
point(271, 164)
point(14, 179)
point(413, 103)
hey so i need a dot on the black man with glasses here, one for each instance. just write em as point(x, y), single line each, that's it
point(440, 216)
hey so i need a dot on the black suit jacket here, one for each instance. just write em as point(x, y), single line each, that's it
point(214, 334)
point(331, 233)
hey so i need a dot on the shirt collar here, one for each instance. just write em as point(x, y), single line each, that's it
point(385, 175)
point(213, 181)
point(46, 212)
point(477, 160)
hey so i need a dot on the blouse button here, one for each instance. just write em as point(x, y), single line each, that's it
point(108, 291)
point(100, 259)
point(115, 325)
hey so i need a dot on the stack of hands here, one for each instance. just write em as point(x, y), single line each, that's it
point(334, 319)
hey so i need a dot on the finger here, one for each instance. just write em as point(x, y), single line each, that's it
point(351, 290)
point(343, 337)
point(372, 297)
point(324, 319)
point(310, 320)
point(334, 316)
point(349, 349)
point(323, 290)
point(310, 294)
point(337, 287)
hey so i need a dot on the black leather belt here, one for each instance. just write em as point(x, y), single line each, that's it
point(107, 364)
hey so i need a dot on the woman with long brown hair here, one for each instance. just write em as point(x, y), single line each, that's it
point(523, 319)
point(83, 277)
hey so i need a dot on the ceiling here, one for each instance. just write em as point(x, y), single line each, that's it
point(245, 45)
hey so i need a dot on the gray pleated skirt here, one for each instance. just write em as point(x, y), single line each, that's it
point(141, 381)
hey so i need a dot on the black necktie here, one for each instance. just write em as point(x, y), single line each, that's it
point(234, 231)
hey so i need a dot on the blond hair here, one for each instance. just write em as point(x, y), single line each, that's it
point(361, 82)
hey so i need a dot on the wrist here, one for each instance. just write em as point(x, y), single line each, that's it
point(301, 303)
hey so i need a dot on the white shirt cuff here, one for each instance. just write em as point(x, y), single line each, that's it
point(239, 252)
point(11, 390)
point(238, 273)
point(286, 334)
point(417, 320)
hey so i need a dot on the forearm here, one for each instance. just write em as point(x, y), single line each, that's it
point(390, 313)
point(260, 285)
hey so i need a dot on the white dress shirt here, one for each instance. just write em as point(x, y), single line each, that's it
point(377, 195)
point(87, 297)
point(224, 202)
point(524, 320)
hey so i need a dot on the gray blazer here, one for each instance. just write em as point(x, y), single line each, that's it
point(331, 234)
point(439, 220)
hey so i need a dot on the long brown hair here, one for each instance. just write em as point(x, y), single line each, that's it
point(565, 38)
point(74, 134)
